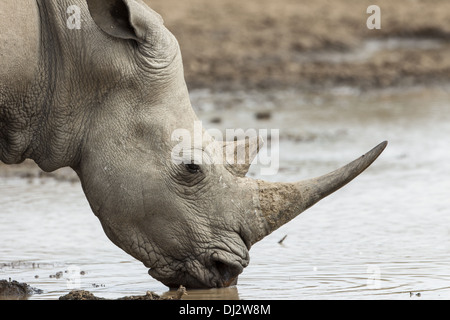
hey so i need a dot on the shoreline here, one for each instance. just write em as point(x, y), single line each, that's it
point(225, 100)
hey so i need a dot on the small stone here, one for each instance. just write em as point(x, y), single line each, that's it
point(216, 120)
point(263, 115)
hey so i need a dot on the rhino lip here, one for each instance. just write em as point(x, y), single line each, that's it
point(222, 270)
point(216, 267)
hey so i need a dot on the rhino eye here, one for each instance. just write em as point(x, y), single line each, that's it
point(192, 167)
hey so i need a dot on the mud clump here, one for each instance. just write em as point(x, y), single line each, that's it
point(149, 295)
point(80, 295)
point(153, 296)
point(13, 290)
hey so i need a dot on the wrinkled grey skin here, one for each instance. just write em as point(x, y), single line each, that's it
point(104, 100)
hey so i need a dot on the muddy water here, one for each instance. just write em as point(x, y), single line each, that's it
point(384, 236)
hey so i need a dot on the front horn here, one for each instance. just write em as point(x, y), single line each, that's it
point(279, 203)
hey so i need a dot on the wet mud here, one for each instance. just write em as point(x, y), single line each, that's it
point(149, 295)
point(13, 290)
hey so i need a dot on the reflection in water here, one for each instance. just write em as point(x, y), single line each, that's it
point(383, 236)
point(230, 293)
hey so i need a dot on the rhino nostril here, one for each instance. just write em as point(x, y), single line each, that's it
point(223, 269)
point(227, 272)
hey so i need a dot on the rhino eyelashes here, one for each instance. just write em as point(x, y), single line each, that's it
point(186, 176)
point(192, 168)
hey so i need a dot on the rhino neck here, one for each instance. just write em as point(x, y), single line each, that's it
point(25, 82)
point(19, 47)
point(64, 88)
point(28, 120)
point(37, 117)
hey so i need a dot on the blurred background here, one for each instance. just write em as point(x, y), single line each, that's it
point(334, 89)
point(263, 43)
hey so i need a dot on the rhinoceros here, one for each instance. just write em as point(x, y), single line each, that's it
point(98, 86)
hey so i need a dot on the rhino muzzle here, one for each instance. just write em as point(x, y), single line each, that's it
point(215, 272)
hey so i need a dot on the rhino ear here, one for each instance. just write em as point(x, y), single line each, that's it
point(124, 19)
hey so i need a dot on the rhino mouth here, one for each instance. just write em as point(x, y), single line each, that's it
point(218, 271)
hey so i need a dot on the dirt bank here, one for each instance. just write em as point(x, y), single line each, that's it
point(29, 170)
point(264, 43)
